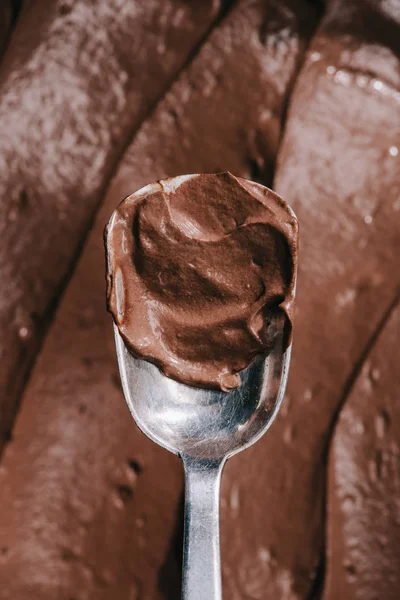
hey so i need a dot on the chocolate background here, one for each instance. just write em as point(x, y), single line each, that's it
point(77, 80)
point(98, 99)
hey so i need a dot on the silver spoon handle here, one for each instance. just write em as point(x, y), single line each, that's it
point(201, 552)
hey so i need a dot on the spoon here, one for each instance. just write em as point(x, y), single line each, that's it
point(204, 428)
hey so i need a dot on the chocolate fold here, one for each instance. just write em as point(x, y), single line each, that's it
point(197, 268)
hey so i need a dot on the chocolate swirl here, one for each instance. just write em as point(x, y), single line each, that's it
point(197, 265)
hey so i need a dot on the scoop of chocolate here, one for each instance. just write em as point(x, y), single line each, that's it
point(197, 267)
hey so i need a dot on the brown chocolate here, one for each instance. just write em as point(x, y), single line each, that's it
point(78, 78)
point(338, 169)
point(88, 505)
point(6, 14)
point(198, 267)
point(363, 542)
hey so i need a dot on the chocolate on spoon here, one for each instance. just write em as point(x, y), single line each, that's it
point(197, 267)
point(204, 427)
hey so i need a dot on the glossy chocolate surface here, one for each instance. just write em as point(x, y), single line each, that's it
point(89, 508)
point(197, 268)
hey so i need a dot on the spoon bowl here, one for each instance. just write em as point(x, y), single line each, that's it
point(201, 423)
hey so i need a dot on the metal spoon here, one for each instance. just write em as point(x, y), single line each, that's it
point(204, 428)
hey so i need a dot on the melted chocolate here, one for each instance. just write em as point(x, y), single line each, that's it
point(364, 480)
point(6, 10)
point(75, 518)
point(338, 168)
point(73, 87)
point(81, 488)
point(197, 267)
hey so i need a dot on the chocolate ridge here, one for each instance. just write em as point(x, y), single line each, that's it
point(72, 91)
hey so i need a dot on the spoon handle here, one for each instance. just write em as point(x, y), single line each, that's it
point(201, 552)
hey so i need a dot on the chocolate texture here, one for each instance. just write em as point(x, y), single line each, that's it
point(78, 78)
point(338, 169)
point(198, 267)
point(96, 500)
point(363, 529)
point(6, 18)
point(87, 504)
